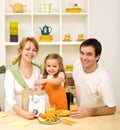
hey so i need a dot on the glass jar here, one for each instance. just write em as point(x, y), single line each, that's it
point(25, 98)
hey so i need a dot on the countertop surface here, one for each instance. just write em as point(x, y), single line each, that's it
point(109, 122)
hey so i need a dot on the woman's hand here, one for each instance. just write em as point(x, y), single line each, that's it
point(28, 115)
point(23, 113)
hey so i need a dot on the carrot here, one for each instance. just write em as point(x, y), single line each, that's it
point(44, 116)
point(67, 122)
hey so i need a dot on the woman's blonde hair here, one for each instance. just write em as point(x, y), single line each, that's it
point(21, 46)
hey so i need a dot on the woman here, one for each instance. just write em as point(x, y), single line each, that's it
point(28, 49)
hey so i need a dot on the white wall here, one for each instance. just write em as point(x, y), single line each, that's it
point(105, 26)
point(1, 57)
point(1, 33)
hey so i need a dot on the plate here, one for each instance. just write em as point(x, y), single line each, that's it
point(50, 122)
point(62, 112)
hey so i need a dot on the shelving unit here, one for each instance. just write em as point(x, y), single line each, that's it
point(61, 22)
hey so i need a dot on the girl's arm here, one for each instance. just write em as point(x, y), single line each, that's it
point(56, 81)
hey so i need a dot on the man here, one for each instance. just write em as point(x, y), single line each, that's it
point(93, 84)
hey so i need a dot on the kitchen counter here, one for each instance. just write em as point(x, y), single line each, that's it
point(109, 122)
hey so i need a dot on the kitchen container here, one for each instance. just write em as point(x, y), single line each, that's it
point(45, 7)
point(32, 99)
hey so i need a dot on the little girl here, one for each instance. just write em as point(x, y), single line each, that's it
point(53, 79)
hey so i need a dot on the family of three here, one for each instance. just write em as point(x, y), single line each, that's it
point(93, 84)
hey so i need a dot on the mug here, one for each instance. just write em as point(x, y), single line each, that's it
point(45, 7)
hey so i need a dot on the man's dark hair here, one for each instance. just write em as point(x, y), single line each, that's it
point(94, 43)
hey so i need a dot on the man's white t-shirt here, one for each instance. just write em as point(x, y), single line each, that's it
point(93, 89)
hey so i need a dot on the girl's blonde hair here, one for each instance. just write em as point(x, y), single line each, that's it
point(21, 46)
point(61, 66)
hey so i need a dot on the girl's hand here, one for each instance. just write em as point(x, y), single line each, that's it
point(39, 82)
